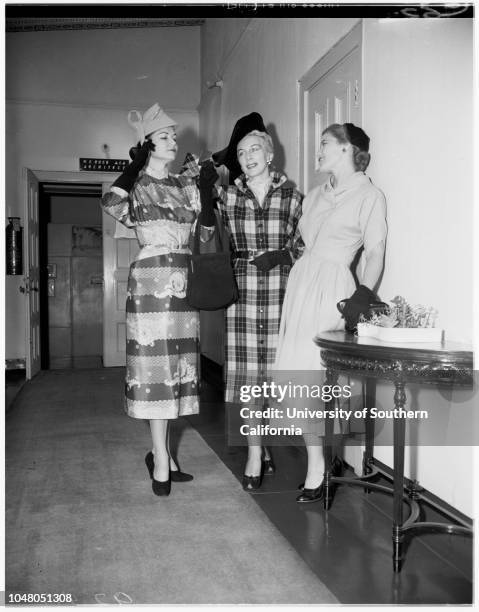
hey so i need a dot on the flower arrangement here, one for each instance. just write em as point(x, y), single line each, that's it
point(401, 322)
point(401, 314)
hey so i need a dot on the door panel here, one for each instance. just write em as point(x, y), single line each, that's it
point(330, 92)
point(32, 274)
point(334, 98)
point(118, 253)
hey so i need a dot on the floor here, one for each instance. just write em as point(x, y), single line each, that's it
point(349, 547)
point(81, 518)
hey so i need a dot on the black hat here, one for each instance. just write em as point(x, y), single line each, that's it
point(228, 156)
point(357, 136)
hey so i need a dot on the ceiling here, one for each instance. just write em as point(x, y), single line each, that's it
point(39, 24)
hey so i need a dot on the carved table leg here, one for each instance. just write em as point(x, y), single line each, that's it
point(399, 437)
point(369, 401)
point(331, 379)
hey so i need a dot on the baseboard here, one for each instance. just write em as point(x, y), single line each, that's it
point(433, 501)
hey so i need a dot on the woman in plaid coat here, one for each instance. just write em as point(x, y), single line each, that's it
point(261, 214)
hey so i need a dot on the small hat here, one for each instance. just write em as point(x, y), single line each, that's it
point(357, 136)
point(228, 156)
point(152, 120)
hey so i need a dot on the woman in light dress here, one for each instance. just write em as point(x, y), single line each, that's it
point(339, 217)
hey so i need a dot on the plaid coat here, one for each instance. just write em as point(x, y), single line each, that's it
point(252, 323)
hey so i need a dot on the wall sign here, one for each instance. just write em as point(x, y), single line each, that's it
point(102, 165)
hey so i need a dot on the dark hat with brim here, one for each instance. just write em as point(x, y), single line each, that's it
point(227, 156)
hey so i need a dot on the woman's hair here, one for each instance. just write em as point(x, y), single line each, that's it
point(361, 157)
point(266, 138)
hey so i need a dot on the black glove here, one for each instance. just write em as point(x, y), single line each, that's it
point(208, 177)
point(271, 259)
point(356, 305)
point(127, 179)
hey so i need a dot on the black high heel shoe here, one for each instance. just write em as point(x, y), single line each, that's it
point(178, 476)
point(251, 482)
point(267, 463)
point(161, 487)
point(337, 470)
point(175, 475)
point(311, 495)
point(269, 467)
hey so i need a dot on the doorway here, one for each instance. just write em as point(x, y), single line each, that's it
point(330, 92)
point(71, 275)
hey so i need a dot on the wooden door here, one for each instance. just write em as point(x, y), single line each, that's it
point(330, 93)
point(31, 284)
point(118, 253)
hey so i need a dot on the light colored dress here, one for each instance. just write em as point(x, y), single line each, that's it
point(334, 225)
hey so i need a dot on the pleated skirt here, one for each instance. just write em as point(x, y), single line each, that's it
point(162, 340)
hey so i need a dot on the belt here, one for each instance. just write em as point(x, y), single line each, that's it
point(250, 253)
point(152, 250)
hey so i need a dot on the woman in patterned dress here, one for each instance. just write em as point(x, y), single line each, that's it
point(339, 217)
point(161, 328)
point(261, 215)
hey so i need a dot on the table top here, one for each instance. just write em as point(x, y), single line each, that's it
point(371, 348)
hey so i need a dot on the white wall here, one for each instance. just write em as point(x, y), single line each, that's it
point(418, 96)
point(260, 62)
point(417, 109)
point(122, 68)
point(68, 93)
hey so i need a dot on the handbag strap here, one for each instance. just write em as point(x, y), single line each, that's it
point(218, 238)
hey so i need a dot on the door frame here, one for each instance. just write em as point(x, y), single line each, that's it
point(58, 176)
point(345, 46)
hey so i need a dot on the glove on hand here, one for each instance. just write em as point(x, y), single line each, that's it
point(356, 305)
point(208, 177)
point(127, 179)
point(271, 259)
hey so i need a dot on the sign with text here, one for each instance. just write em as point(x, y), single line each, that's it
point(102, 165)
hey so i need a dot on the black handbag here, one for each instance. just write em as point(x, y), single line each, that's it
point(211, 281)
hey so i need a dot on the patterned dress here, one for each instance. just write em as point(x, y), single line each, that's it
point(161, 328)
point(252, 323)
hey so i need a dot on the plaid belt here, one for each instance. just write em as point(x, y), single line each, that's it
point(250, 253)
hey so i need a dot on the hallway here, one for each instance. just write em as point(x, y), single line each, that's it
point(81, 517)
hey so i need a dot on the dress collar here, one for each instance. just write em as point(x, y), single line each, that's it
point(155, 174)
point(355, 179)
point(277, 179)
